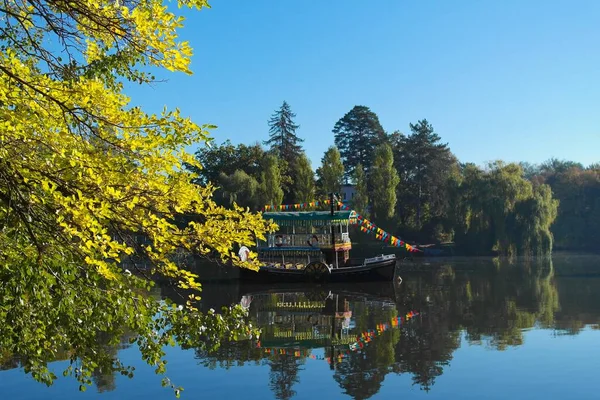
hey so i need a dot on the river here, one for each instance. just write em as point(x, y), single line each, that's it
point(464, 328)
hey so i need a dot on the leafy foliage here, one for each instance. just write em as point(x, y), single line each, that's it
point(331, 172)
point(356, 135)
point(86, 177)
point(577, 225)
point(499, 210)
point(270, 185)
point(360, 202)
point(226, 159)
point(303, 187)
point(384, 180)
point(424, 165)
point(239, 188)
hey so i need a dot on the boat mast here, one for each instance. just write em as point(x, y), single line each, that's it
point(333, 252)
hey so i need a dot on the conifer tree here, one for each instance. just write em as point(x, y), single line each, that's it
point(283, 140)
point(424, 164)
point(356, 135)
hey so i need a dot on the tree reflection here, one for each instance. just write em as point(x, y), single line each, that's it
point(490, 303)
point(283, 375)
point(360, 374)
point(491, 306)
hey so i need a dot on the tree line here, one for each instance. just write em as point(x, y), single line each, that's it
point(412, 184)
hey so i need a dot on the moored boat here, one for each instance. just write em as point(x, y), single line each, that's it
point(315, 246)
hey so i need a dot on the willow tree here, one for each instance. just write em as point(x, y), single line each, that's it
point(499, 210)
point(384, 180)
point(532, 220)
point(239, 188)
point(84, 173)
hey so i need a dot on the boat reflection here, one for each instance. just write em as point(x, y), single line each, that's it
point(294, 321)
point(354, 329)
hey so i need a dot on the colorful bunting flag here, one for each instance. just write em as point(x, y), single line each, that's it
point(365, 225)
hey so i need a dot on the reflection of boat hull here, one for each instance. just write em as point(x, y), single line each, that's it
point(374, 290)
point(376, 270)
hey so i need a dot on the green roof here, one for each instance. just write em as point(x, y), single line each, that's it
point(309, 215)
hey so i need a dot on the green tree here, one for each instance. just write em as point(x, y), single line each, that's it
point(424, 165)
point(270, 185)
point(239, 188)
point(331, 172)
point(532, 220)
point(88, 180)
point(283, 140)
point(498, 210)
point(384, 180)
point(555, 166)
point(577, 225)
point(303, 187)
point(356, 135)
point(360, 202)
point(226, 159)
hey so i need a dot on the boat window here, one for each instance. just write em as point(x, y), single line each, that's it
point(301, 229)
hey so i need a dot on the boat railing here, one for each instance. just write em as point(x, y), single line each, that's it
point(305, 239)
point(345, 237)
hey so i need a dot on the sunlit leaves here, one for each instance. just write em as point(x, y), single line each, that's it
point(88, 181)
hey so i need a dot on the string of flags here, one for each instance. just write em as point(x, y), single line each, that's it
point(365, 225)
point(361, 342)
point(297, 206)
point(369, 227)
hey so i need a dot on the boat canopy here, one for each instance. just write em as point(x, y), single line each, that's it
point(314, 218)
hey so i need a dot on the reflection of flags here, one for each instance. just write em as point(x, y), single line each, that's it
point(246, 301)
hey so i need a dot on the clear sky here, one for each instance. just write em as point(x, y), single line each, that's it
point(512, 79)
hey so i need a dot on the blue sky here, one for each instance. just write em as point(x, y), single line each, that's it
point(511, 80)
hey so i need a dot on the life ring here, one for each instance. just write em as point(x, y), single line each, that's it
point(313, 241)
point(278, 240)
point(244, 253)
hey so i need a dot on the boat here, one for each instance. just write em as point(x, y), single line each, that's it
point(314, 246)
point(307, 318)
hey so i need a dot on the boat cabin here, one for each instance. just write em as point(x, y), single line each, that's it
point(307, 236)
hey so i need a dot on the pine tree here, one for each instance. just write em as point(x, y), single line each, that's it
point(360, 202)
point(356, 135)
point(384, 180)
point(424, 165)
point(331, 172)
point(303, 187)
point(283, 140)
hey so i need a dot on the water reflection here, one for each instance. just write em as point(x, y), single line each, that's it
point(355, 332)
point(364, 334)
point(359, 336)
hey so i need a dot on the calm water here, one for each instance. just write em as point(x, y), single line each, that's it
point(463, 328)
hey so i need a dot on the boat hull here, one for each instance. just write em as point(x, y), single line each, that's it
point(383, 270)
